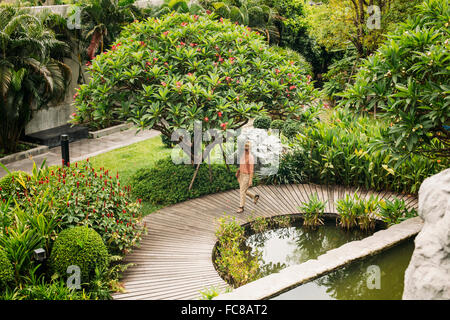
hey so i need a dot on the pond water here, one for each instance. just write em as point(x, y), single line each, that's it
point(357, 282)
point(283, 247)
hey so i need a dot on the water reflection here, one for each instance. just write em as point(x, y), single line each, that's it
point(283, 247)
point(351, 282)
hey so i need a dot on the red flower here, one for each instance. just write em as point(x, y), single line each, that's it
point(184, 24)
point(208, 11)
point(165, 33)
point(219, 114)
point(292, 87)
point(206, 119)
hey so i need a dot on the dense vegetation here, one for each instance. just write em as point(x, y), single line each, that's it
point(407, 79)
point(44, 210)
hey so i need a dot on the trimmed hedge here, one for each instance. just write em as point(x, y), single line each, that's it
point(277, 124)
point(6, 269)
point(167, 183)
point(262, 122)
point(79, 246)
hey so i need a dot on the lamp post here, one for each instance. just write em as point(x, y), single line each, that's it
point(65, 149)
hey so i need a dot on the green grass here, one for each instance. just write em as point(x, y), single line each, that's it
point(127, 160)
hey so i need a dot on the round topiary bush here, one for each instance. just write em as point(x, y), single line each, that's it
point(277, 124)
point(291, 128)
point(262, 122)
point(79, 246)
point(6, 269)
point(10, 182)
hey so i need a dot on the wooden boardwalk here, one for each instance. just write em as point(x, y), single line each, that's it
point(174, 260)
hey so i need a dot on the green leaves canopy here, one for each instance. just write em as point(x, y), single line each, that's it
point(408, 78)
point(166, 74)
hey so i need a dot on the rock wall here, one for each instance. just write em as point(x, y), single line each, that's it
point(428, 274)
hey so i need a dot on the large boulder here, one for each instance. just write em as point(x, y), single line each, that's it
point(428, 273)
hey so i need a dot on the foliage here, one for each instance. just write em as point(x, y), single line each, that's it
point(83, 195)
point(106, 279)
point(312, 211)
point(147, 184)
point(394, 211)
point(262, 122)
point(236, 264)
point(32, 73)
point(6, 269)
point(277, 124)
point(291, 128)
point(79, 246)
point(354, 211)
point(338, 152)
point(169, 6)
point(102, 22)
point(407, 79)
point(209, 293)
point(339, 24)
point(190, 68)
point(13, 182)
point(55, 290)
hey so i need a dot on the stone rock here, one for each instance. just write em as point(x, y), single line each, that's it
point(428, 274)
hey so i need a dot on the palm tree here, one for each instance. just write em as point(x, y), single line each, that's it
point(102, 22)
point(31, 71)
point(252, 13)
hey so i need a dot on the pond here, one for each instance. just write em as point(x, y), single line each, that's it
point(282, 247)
point(357, 282)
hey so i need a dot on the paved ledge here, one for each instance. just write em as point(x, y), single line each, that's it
point(24, 154)
point(293, 276)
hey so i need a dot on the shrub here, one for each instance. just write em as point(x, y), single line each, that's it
point(185, 68)
point(55, 290)
point(291, 128)
point(79, 246)
point(13, 181)
point(167, 142)
point(262, 122)
point(237, 265)
point(147, 182)
point(407, 79)
point(83, 195)
point(393, 212)
point(6, 269)
point(339, 152)
point(312, 211)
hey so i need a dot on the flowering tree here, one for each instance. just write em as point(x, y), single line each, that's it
point(167, 74)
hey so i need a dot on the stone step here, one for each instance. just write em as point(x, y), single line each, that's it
point(52, 137)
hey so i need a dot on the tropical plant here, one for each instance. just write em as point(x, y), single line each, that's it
point(192, 69)
point(407, 79)
point(168, 6)
point(32, 73)
point(235, 263)
point(102, 22)
point(394, 211)
point(337, 151)
point(312, 211)
point(346, 210)
point(262, 122)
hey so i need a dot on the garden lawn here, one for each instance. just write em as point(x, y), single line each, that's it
point(127, 160)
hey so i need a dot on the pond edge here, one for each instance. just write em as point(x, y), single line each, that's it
point(293, 276)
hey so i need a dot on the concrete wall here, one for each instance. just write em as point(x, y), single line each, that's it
point(58, 115)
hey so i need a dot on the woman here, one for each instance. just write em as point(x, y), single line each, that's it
point(245, 177)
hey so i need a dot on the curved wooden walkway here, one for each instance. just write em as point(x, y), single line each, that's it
point(174, 260)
